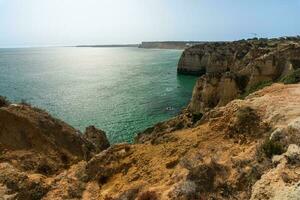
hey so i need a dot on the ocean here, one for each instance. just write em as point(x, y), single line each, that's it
point(119, 90)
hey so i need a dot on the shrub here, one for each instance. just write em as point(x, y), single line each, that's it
point(179, 125)
point(3, 101)
point(242, 81)
point(292, 78)
point(148, 195)
point(24, 102)
point(247, 122)
point(196, 117)
point(256, 87)
point(271, 148)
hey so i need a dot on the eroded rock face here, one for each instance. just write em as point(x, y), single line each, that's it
point(228, 69)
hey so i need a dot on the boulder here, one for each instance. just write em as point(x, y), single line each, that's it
point(97, 137)
point(293, 154)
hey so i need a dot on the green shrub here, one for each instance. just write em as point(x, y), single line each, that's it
point(271, 148)
point(24, 102)
point(247, 123)
point(3, 101)
point(292, 78)
point(196, 117)
point(256, 87)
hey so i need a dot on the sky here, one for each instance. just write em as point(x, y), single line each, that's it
point(74, 22)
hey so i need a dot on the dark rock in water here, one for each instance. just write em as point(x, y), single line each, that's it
point(170, 108)
point(97, 137)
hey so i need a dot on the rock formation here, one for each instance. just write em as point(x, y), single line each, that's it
point(97, 138)
point(34, 145)
point(229, 69)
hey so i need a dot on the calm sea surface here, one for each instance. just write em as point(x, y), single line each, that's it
point(120, 90)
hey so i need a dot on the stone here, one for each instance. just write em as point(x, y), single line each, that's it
point(277, 135)
point(294, 126)
point(276, 159)
point(185, 190)
point(97, 137)
point(293, 154)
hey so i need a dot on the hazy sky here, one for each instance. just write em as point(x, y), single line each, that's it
point(71, 22)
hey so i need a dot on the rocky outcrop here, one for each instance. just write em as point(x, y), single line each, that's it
point(229, 69)
point(97, 137)
point(32, 140)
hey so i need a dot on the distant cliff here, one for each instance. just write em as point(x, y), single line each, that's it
point(110, 45)
point(168, 44)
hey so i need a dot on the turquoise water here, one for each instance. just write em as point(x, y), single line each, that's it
point(120, 90)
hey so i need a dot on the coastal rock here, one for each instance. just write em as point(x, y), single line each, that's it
point(38, 142)
point(229, 69)
point(97, 138)
point(216, 90)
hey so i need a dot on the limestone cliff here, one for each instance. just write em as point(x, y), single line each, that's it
point(168, 44)
point(229, 69)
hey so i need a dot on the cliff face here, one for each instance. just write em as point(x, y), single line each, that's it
point(34, 143)
point(229, 69)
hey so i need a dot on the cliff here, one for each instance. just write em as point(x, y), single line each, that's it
point(168, 44)
point(228, 70)
point(248, 149)
point(217, 148)
point(109, 45)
